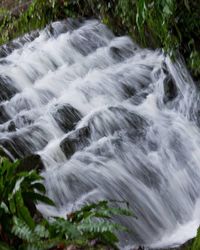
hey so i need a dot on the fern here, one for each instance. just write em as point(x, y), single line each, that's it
point(93, 221)
point(99, 210)
point(64, 229)
point(23, 231)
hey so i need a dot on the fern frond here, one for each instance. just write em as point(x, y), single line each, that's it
point(41, 232)
point(89, 226)
point(23, 231)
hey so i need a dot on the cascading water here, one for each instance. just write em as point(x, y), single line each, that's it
point(110, 121)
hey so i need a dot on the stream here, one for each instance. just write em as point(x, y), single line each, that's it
point(110, 120)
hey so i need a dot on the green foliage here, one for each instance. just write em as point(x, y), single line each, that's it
point(78, 228)
point(170, 24)
point(20, 191)
point(196, 242)
point(173, 26)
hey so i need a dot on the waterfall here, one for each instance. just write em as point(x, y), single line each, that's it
point(110, 120)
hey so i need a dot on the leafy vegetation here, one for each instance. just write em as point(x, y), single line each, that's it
point(23, 227)
point(170, 24)
point(196, 242)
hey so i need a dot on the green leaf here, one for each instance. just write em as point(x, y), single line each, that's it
point(22, 210)
point(4, 207)
point(38, 197)
point(39, 187)
point(65, 229)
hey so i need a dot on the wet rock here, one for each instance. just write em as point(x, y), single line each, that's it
point(57, 28)
point(73, 24)
point(4, 117)
point(120, 54)
point(4, 62)
point(66, 117)
point(8, 48)
point(165, 68)
point(29, 37)
point(11, 127)
point(170, 89)
point(129, 91)
point(90, 40)
point(7, 90)
point(15, 146)
point(139, 98)
point(75, 141)
point(23, 120)
point(22, 144)
point(3, 52)
point(31, 162)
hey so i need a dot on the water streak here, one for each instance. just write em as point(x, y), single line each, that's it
point(110, 121)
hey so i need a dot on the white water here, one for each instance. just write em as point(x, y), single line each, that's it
point(140, 144)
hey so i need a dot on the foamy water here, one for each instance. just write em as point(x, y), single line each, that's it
point(110, 121)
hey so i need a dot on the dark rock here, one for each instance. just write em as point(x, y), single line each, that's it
point(67, 117)
point(3, 52)
point(22, 103)
point(139, 98)
point(11, 127)
point(129, 91)
point(31, 162)
point(75, 141)
point(165, 68)
point(119, 119)
point(120, 54)
point(15, 146)
point(170, 89)
point(89, 40)
point(8, 48)
point(4, 117)
point(20, 145)
point(4, 62)
point(73, 24)
point(7, 90)
point(57, 28)
point(25, 119)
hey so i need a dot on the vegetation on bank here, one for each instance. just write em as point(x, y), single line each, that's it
point(170, 24)
point(23, 227)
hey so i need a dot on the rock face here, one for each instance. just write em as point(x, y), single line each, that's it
point(66, 117)
point(7, 90)
point(75, 141)
point(31, 162)
point(22, 145)
point(28, 163)
point(11, 127)
point(170, 89)
point(4, 117)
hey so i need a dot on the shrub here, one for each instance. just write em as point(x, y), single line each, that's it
point(22, 227)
